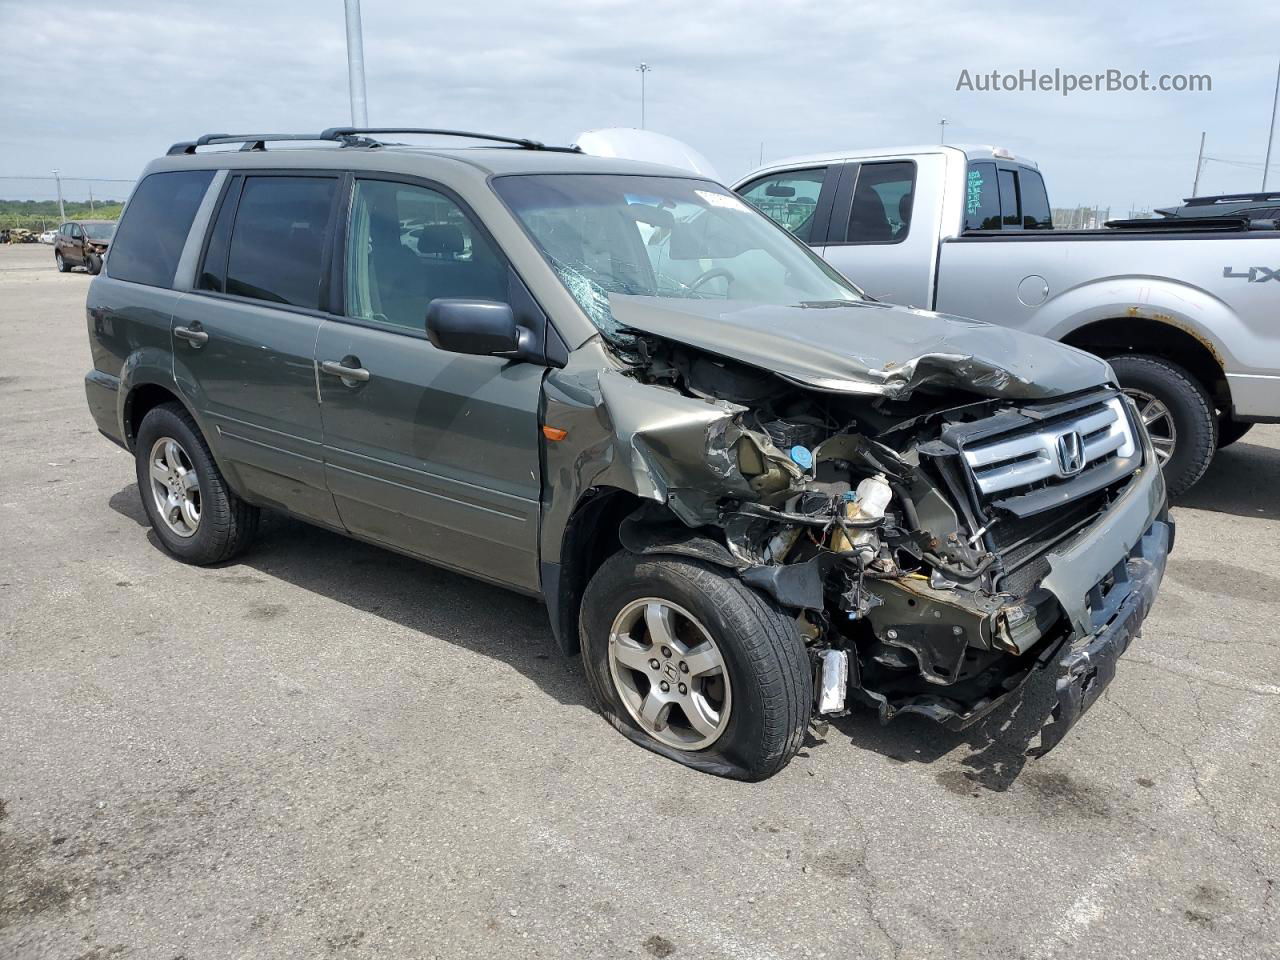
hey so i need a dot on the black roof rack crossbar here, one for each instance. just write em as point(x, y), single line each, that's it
point(344, 133)
point(1231, 198)
point(257, 141)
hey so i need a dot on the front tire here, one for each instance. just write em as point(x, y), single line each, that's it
point(193, 512)
point(1178, 413)
point(738, 688)
point(93, 265)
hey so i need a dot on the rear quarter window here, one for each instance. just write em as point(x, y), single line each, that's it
point(982, 198)
point(154, 229)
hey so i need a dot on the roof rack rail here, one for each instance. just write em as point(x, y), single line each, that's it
point(1231, 198)
point(349, 137)
point(344, 133)
point(257, 141)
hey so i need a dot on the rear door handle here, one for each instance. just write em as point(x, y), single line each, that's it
point(196, 338)
point(336, 368)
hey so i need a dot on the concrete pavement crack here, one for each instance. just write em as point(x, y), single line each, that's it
point(871, 884)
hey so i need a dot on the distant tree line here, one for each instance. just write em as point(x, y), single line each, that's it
point(43, 214)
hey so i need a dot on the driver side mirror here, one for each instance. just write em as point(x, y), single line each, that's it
point(485, 328)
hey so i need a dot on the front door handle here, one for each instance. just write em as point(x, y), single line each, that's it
point(336, 368)
point(197, 338)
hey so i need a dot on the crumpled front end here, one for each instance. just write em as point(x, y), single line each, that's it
point(935, 549)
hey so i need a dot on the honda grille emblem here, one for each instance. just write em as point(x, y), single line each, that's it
point(1070, 454)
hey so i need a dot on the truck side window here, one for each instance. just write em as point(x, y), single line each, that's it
point(1009, 214)
point(278, 240)
point(789, 199)
point(409, 245)
point(882, 203)
point(1036, 214)
point(981, 198)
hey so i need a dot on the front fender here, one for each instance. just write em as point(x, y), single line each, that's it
point(621, 434)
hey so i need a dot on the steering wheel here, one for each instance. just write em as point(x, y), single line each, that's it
point(711, 274)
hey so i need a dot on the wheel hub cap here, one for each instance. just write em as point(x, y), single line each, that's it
point(669, 674)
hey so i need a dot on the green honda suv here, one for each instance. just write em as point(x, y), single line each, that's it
point(748, 495)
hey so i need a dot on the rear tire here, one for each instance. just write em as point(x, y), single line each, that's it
point(218, 524)
point(1229, 431)
point(769, 696)
point(1179, 415)
point(62, 264)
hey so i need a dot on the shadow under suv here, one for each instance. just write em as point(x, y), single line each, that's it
point(747, 494)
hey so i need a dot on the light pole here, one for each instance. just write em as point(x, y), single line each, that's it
point(61, 212)
point(942, 130)
point(642, 70)
point(1195, 184)
point(355, 65)
point(1271, 131)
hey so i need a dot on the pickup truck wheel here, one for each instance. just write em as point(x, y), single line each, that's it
point(1229, 431)
point(62, 264)
point(1178, 414)
point(688, 661)
point(193, 512)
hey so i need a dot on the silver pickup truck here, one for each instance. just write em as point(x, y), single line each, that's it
point(1186, 311)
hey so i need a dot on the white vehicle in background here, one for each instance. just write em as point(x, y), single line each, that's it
point(1185, 309)
point(48, 236)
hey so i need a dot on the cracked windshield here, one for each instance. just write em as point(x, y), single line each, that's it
point(664, 237)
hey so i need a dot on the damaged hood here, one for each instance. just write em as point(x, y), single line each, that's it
point(868, 348)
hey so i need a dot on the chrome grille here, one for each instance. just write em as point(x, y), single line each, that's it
point(1054, 451)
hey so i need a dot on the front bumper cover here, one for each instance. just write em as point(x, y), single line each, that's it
point(1117, 611)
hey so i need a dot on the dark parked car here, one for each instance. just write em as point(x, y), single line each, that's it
point(82, 243)
point(747, 494)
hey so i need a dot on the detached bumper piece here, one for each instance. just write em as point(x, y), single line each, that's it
point(1117, 607)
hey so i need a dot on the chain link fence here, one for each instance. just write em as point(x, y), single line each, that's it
point(31, 203)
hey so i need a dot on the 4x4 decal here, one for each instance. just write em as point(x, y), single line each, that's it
point(1253, 275)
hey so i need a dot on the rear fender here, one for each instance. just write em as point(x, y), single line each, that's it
point(1180, 305)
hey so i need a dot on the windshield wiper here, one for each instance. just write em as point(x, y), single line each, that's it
point(833, 304)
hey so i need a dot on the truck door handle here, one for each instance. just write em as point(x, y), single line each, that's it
point(197, 338)
point(336, 368)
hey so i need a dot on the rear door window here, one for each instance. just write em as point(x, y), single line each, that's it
point(213, 271)
point(1010, 218)
point(981, 198)
point(1036, 214)
point(882, 201)
point(790, 199)
point(154, 229)
point(279, 238)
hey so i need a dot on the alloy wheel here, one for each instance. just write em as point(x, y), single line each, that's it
point(1158, 420)
point(175, 487)
point(669, 674)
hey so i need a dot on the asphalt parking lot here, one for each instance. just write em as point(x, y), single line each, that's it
point(329, 750)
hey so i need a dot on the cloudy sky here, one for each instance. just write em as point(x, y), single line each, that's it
point(98, 89)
